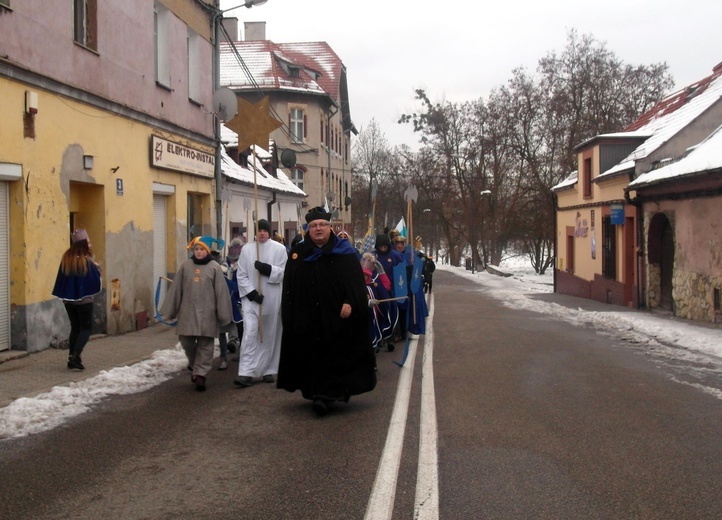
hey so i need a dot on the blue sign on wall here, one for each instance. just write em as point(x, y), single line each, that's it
point(617, 214)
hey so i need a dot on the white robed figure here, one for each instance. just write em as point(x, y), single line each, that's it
point(260, 286)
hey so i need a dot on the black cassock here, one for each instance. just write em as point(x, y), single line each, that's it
point(323, 355)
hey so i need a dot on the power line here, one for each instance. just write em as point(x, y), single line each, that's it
point(258, 90)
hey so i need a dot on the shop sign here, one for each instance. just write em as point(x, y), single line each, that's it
point(174, 156)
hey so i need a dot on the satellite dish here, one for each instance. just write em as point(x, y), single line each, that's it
point(225, 104)
point(288, 158)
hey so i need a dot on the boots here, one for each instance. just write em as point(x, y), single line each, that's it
point(74, 362)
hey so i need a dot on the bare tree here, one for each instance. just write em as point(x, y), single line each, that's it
point(487, 167)
point(591, 91)
point(372, 159)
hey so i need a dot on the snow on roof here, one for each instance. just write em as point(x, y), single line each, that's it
point(669, 116)
point(235, 171)
point(705, 156)
point(319, 69)
point(570, 181)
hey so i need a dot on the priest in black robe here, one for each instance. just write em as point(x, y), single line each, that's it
point(326, 350)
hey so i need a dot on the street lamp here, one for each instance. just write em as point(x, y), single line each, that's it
point(247, 3)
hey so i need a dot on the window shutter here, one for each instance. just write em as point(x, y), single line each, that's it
point(305, 126)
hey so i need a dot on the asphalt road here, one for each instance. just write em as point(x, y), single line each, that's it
point(536, 419)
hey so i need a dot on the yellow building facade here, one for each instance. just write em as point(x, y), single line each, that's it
point(109, 150)
point(596, 229)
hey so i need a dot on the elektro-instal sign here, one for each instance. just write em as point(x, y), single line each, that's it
point(175, 156)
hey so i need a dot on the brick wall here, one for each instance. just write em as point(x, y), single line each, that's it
point(572, 285)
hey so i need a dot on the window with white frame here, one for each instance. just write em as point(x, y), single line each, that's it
point(161, 25)
point(296, 125)
point(297, 177)
point(194, 65)
point(85, 23)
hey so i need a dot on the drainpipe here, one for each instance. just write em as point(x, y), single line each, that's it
point(217, 17)
point(269, 210)
point(328, 148)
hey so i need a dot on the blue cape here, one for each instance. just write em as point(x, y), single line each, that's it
point(75, 288)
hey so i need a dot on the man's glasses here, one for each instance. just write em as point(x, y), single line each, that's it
point(319, 225)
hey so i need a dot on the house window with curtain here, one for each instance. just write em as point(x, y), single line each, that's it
point(85, 23)
point(296, 125)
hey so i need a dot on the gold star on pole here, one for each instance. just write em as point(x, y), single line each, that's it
point(253, 123)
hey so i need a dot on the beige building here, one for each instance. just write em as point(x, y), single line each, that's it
point(638, 223)
point(307, 87)
point(106, 125)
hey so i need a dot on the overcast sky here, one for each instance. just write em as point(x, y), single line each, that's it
point(458, 50)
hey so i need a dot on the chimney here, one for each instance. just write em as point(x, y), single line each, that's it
point(254, 31)
point(231, 27)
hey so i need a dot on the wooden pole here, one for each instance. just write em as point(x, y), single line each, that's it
point(258, 246)
point(410, 218)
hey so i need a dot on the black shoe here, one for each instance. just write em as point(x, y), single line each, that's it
point(390, 347)
point(243, 381)
point(76, 364)
point(200, 383)
point(268, 378)
point(320, 407)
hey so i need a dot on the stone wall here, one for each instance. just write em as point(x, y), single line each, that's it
point(693, 295)
point(654, 286)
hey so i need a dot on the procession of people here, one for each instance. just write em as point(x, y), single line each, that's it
point(310, 317)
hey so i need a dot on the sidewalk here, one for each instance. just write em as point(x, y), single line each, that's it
point(27, 375)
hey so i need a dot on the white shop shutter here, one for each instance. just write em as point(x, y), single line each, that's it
point(4, 268)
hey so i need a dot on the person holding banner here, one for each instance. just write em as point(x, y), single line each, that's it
point(408, 280)
point(388, 257)
point(326, 350)
point(383, 309)
point(260, 278)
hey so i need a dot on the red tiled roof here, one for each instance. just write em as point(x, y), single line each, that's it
point(676, 100)
point(321, 68)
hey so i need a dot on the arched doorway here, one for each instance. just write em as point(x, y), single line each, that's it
point(660, 242)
